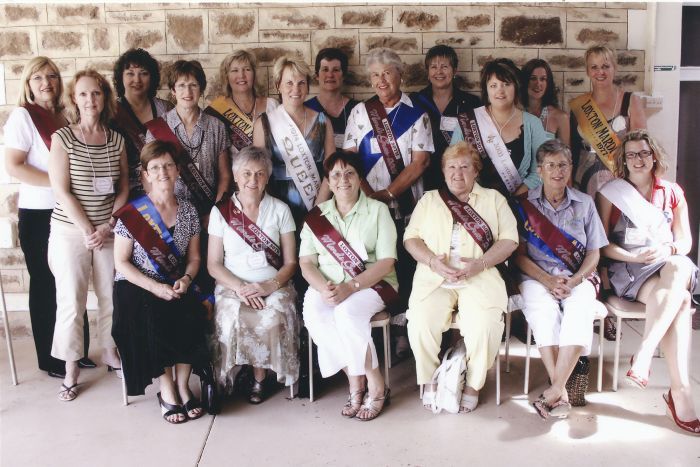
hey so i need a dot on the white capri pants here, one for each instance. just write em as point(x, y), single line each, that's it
point(560, 323)
point(72, 265)
point(342, 333)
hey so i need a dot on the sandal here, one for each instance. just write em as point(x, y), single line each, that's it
point(168, 410)
point(635, 380)
point(542, 407)
point(352, 406)
point(257, 392)
point(429, 399)
point(373, 406)
point(68, 393)
point(468, 403)
point(560, 409)
point(191, 405)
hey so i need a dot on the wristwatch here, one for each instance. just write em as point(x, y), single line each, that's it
point(356, 284)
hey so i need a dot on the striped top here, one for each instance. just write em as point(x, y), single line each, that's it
point(104, 158)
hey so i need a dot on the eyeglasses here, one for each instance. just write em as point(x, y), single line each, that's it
point(168, 166)
point(344, 175)
point(551, 166)
point(641, 155)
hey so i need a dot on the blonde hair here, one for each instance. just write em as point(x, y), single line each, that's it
point(658, 153)
point(242, 56)
point(608, 53)
point(110, 104)
point(297, 66)
point(35, 64)
point(462, 149)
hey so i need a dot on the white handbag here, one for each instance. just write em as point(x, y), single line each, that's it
point(450, 377)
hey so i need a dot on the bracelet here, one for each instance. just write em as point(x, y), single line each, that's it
point(583, 278)
point(483, 261)
point(391, 195)
point(674, 250)
point(190, 277)
point(277, 283)
point(430, 262)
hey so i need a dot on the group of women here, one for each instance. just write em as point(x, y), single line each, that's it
point(438, 203)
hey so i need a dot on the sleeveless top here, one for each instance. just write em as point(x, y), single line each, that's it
point(489, 177)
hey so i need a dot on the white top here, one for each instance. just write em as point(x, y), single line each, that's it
point(274, 218)
point(21, 134)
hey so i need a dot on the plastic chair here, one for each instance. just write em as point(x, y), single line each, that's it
point(379, 320)
point(622, 309)
point(8, 337)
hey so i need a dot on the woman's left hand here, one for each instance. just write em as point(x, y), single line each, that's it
point(257, 289)
point(471, 268)
point(181, 285)
point(95, 240)
point(338, 293)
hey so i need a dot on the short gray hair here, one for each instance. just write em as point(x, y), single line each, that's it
point(552, 147)
point(385, 57)
point(252, 154)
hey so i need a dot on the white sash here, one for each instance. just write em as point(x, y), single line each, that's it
point(644, 215)
point(497, 150)
point(297, 156)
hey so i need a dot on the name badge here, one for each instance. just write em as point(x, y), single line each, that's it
point(103, 185)
point(448, 123)
point(257, 260)
point(339, 139)
point(374, 145)
point(635, 236)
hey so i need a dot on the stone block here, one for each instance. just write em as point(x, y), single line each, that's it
point(21, 14)
point(149, 36)
point(414, 75)
point(630, 80)
point(103, 40)
point(472, 18)
point(357, 80)
point(186, 31)
point(12, 280)
point(403, 43)
point(13, 69)
point(469, 81)
point(346, 40)
point(366, 17)
point(458, 40)
point(530, 27)
point(221, 48)
point(235, 26)
point(584, 35)
point(594, 15)
point(141, 6)
point(63, 41)
point(564, 59)
point(208, 61)
point(627, 5)
point(73, 14)
point(18, 43)
point(135, 16)
point(576, 82)
point(520, 55)
point(630, 60)
point(268, 52)
point(409, 18)
point(281, 36)
point(4, 115)
point(297, 18)
point(12, 257)
point(12, 89)
point(8, 234)
point(103, 65)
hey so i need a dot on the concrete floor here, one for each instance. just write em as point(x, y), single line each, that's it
point(628, 427)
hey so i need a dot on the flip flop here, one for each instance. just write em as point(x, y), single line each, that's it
point(68, 393)
point(560, 409)
point(541, 407)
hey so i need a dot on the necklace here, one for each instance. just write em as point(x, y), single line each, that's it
point(252, 110)
point(303, 128)
point(498, 125)
point(87, 148)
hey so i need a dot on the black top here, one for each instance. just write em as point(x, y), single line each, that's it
point(489, 178)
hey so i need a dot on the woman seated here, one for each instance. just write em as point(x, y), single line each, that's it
point(646, 219)
point(558, 255)
point(458, 235)
point(349, 283)
point(252, 256)
point(158, 320)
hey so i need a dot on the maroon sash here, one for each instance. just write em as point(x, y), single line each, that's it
point(470, 130)
point(389, 148)
point(203, 195)
point(45, 122)
point(128, 122)
point(250, 232)
point(343, 253)
point(468, 218)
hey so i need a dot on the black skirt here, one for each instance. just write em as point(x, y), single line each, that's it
point(152, 334)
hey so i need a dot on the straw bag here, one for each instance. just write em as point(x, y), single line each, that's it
point(577, 384)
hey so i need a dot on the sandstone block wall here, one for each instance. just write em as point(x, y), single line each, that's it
point(94, 34)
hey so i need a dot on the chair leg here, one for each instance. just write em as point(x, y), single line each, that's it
point(387, 355)
point(498, 376)
point(601, 340)
point(617, 352)
point(420, 391)
point(526, 384)
point(311, 369)
point(508, 323)
point(8, 337)
point(124, 394)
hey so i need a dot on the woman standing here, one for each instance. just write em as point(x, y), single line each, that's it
point(136, 81)
point(241, 106)
point(331, 68)
point(539, 95)
point(88, 173)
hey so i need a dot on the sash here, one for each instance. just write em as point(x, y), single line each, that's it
point(644, 215)
point(470, 129)
point(389, 148)
point(468, 218)
point(297, 156)
point(342, 252)
point(250, 232)
point(495, 148)
point(45, 122)
point(235, 119)
point(203, 195)
point(595, 128)
point(130, 124)
point(144, 223)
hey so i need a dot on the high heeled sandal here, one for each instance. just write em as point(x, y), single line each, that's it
point(168, 410)
point(257, 392)
point(353, 404)
point(193, 404)
point(692, 427)
point(468, 403)
point(635, 380)
point(373, 405)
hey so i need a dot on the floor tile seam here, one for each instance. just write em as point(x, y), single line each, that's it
point(205, 441)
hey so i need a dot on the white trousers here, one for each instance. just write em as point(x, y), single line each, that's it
point(560, 322)
point(342, 333)
point(72, 264)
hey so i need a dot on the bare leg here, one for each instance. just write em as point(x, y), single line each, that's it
point(169, 394)
point(375, 385)
point(259, 374)
point(183, 371)
point(357, 392)
point(566, 361)
point(71, 378)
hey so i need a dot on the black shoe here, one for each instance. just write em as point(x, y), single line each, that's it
point(57, 374)
point(86, 363)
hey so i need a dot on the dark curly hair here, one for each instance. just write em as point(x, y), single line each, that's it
point(550, 94)
point(139, 58)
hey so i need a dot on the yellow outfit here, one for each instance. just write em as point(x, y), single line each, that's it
point(480, 303)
